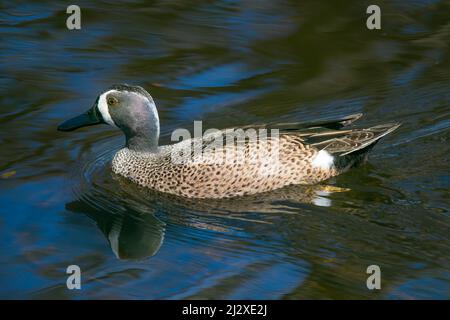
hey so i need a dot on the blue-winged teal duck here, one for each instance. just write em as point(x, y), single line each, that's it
point(305, 153)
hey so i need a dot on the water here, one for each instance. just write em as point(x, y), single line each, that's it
point(226, 63)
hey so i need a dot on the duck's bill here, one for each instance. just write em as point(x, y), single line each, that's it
point(89, 118)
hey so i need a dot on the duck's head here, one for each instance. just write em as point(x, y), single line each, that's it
point(129, 108)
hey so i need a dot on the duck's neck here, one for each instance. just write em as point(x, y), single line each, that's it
point(143, 142)
point(144, 135)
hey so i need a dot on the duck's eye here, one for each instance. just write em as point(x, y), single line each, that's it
point(112, 101)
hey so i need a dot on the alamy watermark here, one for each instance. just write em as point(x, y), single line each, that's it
point(73, 22)
point(74, 280)
point(374, 280)
point(374, 20)
point(229, 146)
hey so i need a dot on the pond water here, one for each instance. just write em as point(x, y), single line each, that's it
point(226, 63)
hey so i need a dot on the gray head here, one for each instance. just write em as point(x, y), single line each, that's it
point(131, 109)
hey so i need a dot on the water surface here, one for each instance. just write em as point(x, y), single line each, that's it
point(226, 63)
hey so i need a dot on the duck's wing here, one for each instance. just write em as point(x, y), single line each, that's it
point(306, 130)
point(344, 142)
point(293, 127)
point(330, 135)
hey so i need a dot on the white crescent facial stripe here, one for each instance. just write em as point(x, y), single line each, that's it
point(103, 108)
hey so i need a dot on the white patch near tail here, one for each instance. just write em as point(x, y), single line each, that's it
point(323, 160)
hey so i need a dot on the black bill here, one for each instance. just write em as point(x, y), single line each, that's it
point(89, 118)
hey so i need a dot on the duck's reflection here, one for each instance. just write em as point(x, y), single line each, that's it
point(136, 238)
point(127, 216)
point(132, 235)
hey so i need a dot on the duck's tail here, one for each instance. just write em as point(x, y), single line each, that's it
point(351, 148)
point(342, 147)
point(338, 145)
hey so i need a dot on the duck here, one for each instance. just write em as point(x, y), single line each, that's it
point(295, 154)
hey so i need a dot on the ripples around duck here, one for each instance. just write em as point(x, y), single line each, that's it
point(227, 63)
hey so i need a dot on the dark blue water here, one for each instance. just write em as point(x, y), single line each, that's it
point(226, 63)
